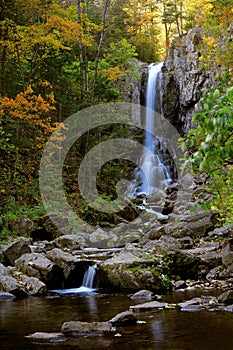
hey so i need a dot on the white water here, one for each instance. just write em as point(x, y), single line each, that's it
point(87, 284)
point(154, 174)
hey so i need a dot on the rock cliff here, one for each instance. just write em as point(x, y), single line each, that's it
point(183, 80)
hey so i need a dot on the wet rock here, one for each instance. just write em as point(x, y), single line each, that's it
point(102, 239)
point(15, 249)
point(75, 241)
point(42, 337)
point(154, 233)
point(194, 301)
point(6, 296)
point(76, 328)
point(187, 242)
point(33, 285)
point(211, 259)
point(184, 264)
point(227, 253)
point(213, 274)
point(142, 294)
point(129, 270)
point(192, 308)
point(225, 231)
point(150, 306)
point(179, 284)
point(226, 298)
point(198, 225)
point(37, 265)
point(47, 230)
point(123, 319)
point(10, 284)
point(64, 260)
point(22, 226)
point(229, 308)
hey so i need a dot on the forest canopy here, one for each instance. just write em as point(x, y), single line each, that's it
point(60, 56)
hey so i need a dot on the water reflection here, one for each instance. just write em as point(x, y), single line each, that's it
point(163, 330)
point(157, 329)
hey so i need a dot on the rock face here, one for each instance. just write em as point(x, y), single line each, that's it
point(183, 80)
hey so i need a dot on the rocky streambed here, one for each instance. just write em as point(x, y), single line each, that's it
point(176, 251)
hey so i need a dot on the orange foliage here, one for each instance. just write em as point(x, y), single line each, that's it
point(30, 108)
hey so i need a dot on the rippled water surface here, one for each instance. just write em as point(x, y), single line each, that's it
point(166, 329)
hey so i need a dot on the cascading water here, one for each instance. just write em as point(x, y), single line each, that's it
point(87, 284)
point(153, 173)
point(89, 276)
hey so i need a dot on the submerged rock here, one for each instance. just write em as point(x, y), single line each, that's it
point(153, 305)
point(42, 337)
point(6, 296)
point(77, 328)
point(123, 319)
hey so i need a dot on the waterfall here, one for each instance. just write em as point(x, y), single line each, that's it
point(89, 276)
point(87, 284)
point(153, 173)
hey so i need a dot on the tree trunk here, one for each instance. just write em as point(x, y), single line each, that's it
point(107, 3)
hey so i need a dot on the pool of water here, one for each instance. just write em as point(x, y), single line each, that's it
point(162, 330)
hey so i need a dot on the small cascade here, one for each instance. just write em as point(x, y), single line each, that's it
point(87, 284)
point(89, 277)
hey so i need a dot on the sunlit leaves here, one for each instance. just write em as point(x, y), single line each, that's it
point(211, 145)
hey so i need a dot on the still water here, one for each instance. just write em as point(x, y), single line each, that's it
point(163, 330)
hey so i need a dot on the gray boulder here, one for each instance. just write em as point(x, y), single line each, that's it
point(10, 284)
point(6, 296)
point(37, 265)
point(124, 318)
point(64, 260)
point(49, 227)
point(153, 305)
point(227, 253)
point(42, 337)
point(76, 328)
point(226, 298)
point(75, 241)
point(129, 270)
point(198, 225)
point(142, 294)
point(15, 249)
point(23, 226)
point(33, 285)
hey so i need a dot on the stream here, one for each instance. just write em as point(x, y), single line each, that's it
point(162, 330)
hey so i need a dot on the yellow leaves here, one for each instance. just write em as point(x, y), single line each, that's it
point(112, 73)
point(69, 32)
point(210, 41)
point(29, 108)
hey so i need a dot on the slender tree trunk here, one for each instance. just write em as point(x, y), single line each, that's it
point(107, 3)
point(79, 11)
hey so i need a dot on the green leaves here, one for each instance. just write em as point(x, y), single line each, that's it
point(211, 146)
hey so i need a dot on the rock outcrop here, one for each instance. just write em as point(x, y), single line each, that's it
point(183, 80)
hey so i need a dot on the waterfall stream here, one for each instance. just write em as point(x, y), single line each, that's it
point(89, 276)
point(153, 174)
point(87, 284)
